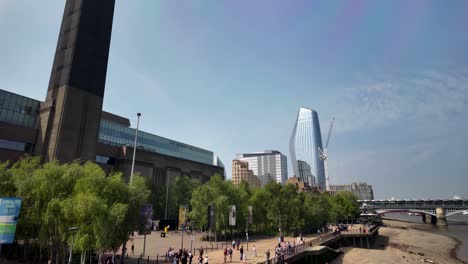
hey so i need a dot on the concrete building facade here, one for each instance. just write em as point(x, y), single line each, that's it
point(241, 172)
point(361, 189)
point(269, 165)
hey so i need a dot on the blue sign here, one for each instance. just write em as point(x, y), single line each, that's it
point(9, 212)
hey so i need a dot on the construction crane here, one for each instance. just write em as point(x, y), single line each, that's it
point(324, 157)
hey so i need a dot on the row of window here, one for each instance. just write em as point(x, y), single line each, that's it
point(119, 135)
point(15, 145)
point(18, 109)
point(18, 103)
point(8, 116)
point(105, 160)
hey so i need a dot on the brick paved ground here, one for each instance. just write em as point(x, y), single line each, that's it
point(157, 245)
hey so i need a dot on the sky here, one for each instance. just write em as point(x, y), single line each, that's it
point(230, 76)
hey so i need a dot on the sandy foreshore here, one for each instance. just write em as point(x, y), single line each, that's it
point(401, 242)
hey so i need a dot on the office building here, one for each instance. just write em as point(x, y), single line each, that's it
point(70, 124)
point(241, 172)
point(305, 141)
point(269, 165)
point(361, 189)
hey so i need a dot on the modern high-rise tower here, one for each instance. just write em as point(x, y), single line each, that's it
point(71, 114)
point(305, 141)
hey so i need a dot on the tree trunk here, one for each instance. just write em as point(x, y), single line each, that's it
point(57, 259)
point(123, 252)
point(25, 249)
point(83, 257)
point(40, 252)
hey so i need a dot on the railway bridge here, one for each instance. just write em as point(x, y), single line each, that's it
point(431, 211)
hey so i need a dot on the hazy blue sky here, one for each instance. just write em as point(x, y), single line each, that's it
point(229, 76)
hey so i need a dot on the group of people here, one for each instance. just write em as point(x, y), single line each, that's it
point(242, 255)
point(182, 256)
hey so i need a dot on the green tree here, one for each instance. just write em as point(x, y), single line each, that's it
point(7, 185)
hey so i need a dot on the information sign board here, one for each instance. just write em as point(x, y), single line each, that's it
point(9, 212)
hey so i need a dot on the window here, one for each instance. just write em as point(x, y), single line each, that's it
point(14, 145)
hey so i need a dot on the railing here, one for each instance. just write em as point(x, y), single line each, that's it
point(287, 252)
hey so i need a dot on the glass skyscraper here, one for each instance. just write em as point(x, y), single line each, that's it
point(305, 141)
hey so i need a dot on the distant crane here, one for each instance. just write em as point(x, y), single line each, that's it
point(324, 157)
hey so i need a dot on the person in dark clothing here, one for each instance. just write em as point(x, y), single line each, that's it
point(241, 251)
point(190, 257)
point(201, 252)
point(183, 259)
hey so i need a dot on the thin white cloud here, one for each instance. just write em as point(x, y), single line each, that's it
point(386, 168)
point(426, 94)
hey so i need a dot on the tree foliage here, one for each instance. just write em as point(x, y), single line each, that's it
point(275, 207)
point(57, 197)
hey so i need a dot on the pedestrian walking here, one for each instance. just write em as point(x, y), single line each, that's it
point(245, 258)
point(230, 254)
point(206, 260)
point(233, 244)
point(200, 259)
point(201, 251)
point(254, 251)
point(238, 244)
point(133, 250)
point(225, 253)
point(241, 251)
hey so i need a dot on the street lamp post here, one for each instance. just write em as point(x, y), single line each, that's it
point(191, 239)
point(183, 224)
point(135, 147)
point(167, 194)
point(247, 231)
point(73, 230)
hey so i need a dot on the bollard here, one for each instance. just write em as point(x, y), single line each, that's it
point(138, 261)
point(147, 261)
point(157, 258)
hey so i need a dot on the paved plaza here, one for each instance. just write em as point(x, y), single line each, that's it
point(158, 246)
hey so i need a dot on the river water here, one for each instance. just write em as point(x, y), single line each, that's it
point(457, 228)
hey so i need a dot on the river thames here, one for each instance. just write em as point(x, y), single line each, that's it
point(457, 228)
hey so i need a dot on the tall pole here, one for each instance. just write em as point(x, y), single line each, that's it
point(167, 193)
point(191, 239)
point(134, 148)
point(182, 240)
point(144, 244)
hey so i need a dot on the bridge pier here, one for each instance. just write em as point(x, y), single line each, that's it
point(440, 215)
point(428, 219)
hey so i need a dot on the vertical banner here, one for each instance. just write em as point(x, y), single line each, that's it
point(183, 216)
point(232, 215)
point(211, 217)
point(9, 212)
point(250, 214)
point(147, 215)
